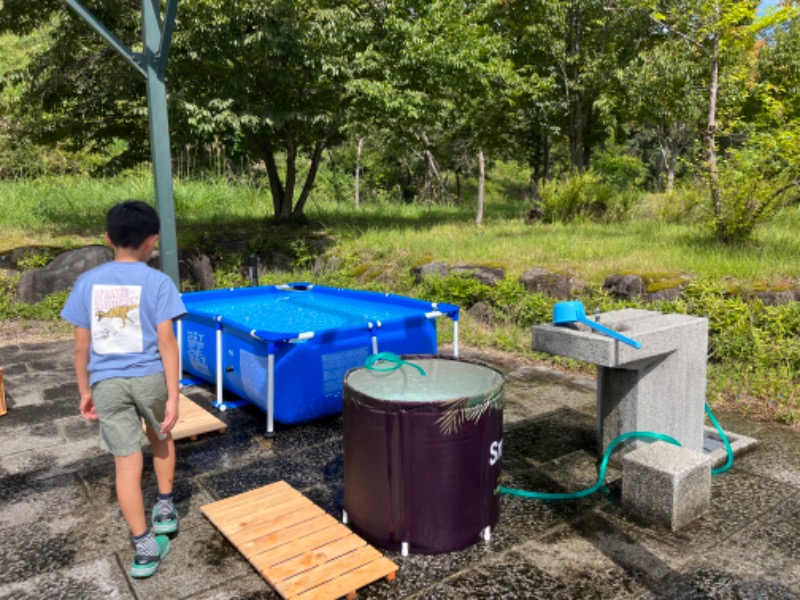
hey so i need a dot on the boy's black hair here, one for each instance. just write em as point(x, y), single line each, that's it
point(130, 223)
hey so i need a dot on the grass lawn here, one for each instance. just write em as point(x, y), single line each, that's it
point(755, 352)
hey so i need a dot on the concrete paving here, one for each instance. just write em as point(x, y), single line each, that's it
point(62, 536)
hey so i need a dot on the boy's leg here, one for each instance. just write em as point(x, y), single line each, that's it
point(121, 432)
point(163, 461)
point(164, 515)
point(129, 491)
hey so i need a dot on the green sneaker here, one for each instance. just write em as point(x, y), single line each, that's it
point(145, 566)
point(164, 522)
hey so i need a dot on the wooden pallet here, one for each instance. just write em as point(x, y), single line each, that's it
point(299, 549)
point(194, 420)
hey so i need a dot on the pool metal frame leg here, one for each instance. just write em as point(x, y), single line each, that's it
point(270, 390)
point(373, 327)
point(219, 402)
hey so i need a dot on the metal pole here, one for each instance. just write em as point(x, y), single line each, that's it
point(271, 349)
point(219, 403)
point(159, 137)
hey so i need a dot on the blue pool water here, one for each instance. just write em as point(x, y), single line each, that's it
point(302, 311)
point(342, 328)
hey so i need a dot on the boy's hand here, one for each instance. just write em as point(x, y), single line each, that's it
point(170, 416)
point(88, 411)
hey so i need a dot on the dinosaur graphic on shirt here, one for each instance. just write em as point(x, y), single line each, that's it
point(117, 312)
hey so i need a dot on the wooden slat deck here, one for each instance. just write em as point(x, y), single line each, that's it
point(299, 549)
point(194, 421)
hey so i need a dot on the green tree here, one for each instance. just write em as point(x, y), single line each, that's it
point(73, 91)
point(720, 33)
point(664, 94)
point(573, 49)
point(274, 74)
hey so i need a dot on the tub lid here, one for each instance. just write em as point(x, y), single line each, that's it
point(445, 379)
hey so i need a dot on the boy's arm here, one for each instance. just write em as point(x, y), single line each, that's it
point(168, 347)
point(83, 342)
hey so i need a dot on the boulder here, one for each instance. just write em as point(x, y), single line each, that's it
point(625, 286)
point(481, 311)
point(486, 275)
point(9, 261)
point(651, 288)
point(327, 263)
point(431, 269)
point(275, 259)
point(774, 297)
point(562, 286)
point(60, 274)
point(196, 267)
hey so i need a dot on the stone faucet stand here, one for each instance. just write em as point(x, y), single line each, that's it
point(660, 387)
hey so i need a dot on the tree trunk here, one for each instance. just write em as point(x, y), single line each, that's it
point(433, 175)
point(481, 182)
point(577, 148)
point(673, 161)
point(283, 197)
point(577, 116)
point(358, 172)
point(263, 148)
point(316, 159)
point(713, 171)
point(548, 162)
point(291, 180)
point(458, 185)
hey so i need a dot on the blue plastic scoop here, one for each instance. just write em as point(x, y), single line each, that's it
point(565, 313)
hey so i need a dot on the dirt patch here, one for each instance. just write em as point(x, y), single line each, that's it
point(32, 332)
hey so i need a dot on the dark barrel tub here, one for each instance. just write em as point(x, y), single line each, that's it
point(422, 454)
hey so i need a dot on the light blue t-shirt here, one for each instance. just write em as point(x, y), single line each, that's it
point(122, 303)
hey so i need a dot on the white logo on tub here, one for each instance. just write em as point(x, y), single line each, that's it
point(495, 452)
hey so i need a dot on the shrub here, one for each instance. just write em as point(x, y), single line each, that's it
point(619, 169)
point(454, 289)
point(687, 204)
point(747, 198)
point(585, 196)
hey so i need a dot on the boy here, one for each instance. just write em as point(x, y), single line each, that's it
point(126, 362)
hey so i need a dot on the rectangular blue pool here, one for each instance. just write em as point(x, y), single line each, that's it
point(287, 348)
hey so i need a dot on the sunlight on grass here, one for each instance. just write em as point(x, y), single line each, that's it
point(66, 211)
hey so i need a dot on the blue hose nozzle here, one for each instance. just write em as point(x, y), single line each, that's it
point(565, 313)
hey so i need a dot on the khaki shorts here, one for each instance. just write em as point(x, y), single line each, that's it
point(122, 403)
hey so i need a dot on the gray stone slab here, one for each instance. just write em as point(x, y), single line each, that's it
point(739, 500)
point(708, 581)
point(715, 448)
point(52, 460)
point(560, 566)
point(246, 587)
point(658, 333)
point(536, 391)
point(767, 551)
point(668, 484)
point(50, 499)
point(96, 579)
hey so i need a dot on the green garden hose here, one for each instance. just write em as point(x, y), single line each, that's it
point(388, 361)
point(604, 464)
point(725, 441)
point(601, 476)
